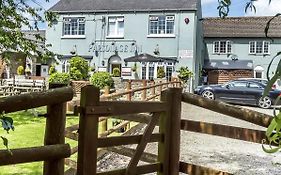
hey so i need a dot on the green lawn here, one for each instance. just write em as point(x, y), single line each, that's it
point(29, 131)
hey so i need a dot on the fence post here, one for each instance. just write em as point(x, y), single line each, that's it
point(169, 125)
point(153, 90)
point(88, 132)
point(144, 84)
point(160, 87)
point(103, 124)
point(129, 87)
point(54, 134)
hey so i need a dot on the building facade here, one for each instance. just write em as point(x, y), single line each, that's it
point(109, 32)
point(236, 47)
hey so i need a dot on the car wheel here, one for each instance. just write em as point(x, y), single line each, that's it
point(208, 94)
point(265, 102)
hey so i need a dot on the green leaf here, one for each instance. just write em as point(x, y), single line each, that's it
point(270, 150)
point(271, 128)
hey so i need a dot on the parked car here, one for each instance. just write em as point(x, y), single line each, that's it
point(240, 92)
point(276, 85)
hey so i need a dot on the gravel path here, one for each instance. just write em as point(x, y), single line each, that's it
point(230, 155)
point(234, 156)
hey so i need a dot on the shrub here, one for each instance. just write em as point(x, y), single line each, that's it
point(116, 72)
point(20, 70)
point(160, 72)
point(184, 74)
point(52, 70)
point(59, 78)
point(78, 68)
point(101, 79)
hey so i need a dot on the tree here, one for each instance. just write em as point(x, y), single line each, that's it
point(16, 14)
point(273, 132)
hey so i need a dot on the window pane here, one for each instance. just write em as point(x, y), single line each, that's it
point(170, 27)
point(266, 47)
point(153, 27)
point(161, 24)
point(120, 28)
point(258, 75)
point(228, 47)
point(216, 47)
point(143, 72)
point(259, 46)
point(223, 47)
point(66, 29)
point(240, 84)
point(252, 47)
point(169, 71)
point(151, 71)
point(111, 28)
point(74, 26)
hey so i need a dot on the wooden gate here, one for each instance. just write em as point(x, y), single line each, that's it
point(166, 113)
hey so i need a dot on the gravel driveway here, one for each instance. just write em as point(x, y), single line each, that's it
point(230, 155)
point(234, 156)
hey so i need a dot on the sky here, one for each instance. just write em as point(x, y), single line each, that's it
point(237, 8)
point(209, 8)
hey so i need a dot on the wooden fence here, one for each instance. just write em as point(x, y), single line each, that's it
point(54, 150)
point(165, 113)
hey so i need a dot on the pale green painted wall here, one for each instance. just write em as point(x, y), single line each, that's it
point(240, 47)
point(187, 37)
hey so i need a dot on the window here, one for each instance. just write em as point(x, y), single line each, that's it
point(151, 71)
point(143, 71)
point(161, 24)
point(222, 47)
point(169, 70)
point(73, 26)
point(259, 47)
point(115, 26)
point(240, 84)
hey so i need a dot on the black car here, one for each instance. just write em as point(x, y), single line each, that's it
point(240, 92)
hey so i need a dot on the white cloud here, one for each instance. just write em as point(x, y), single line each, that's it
point(265, 9)
point(205, 2)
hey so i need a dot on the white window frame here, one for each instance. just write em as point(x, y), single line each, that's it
point(155, 18)
point(228, 47)
point(74, 32)
point(117, 20)
point(255, 48)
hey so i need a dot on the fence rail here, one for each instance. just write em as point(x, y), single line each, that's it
point(164, 113)
point(54, 150)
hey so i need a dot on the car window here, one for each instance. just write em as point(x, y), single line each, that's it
point(239, 84)
point(253, 85)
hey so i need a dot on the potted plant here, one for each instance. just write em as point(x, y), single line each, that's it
point(102, 79)
point(79, 69)
point(116, 72)
point(184, 75)
point(160, 72)
point(59, 80)
point(20, 73)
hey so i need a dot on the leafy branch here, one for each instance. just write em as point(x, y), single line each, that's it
point(7, 125)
